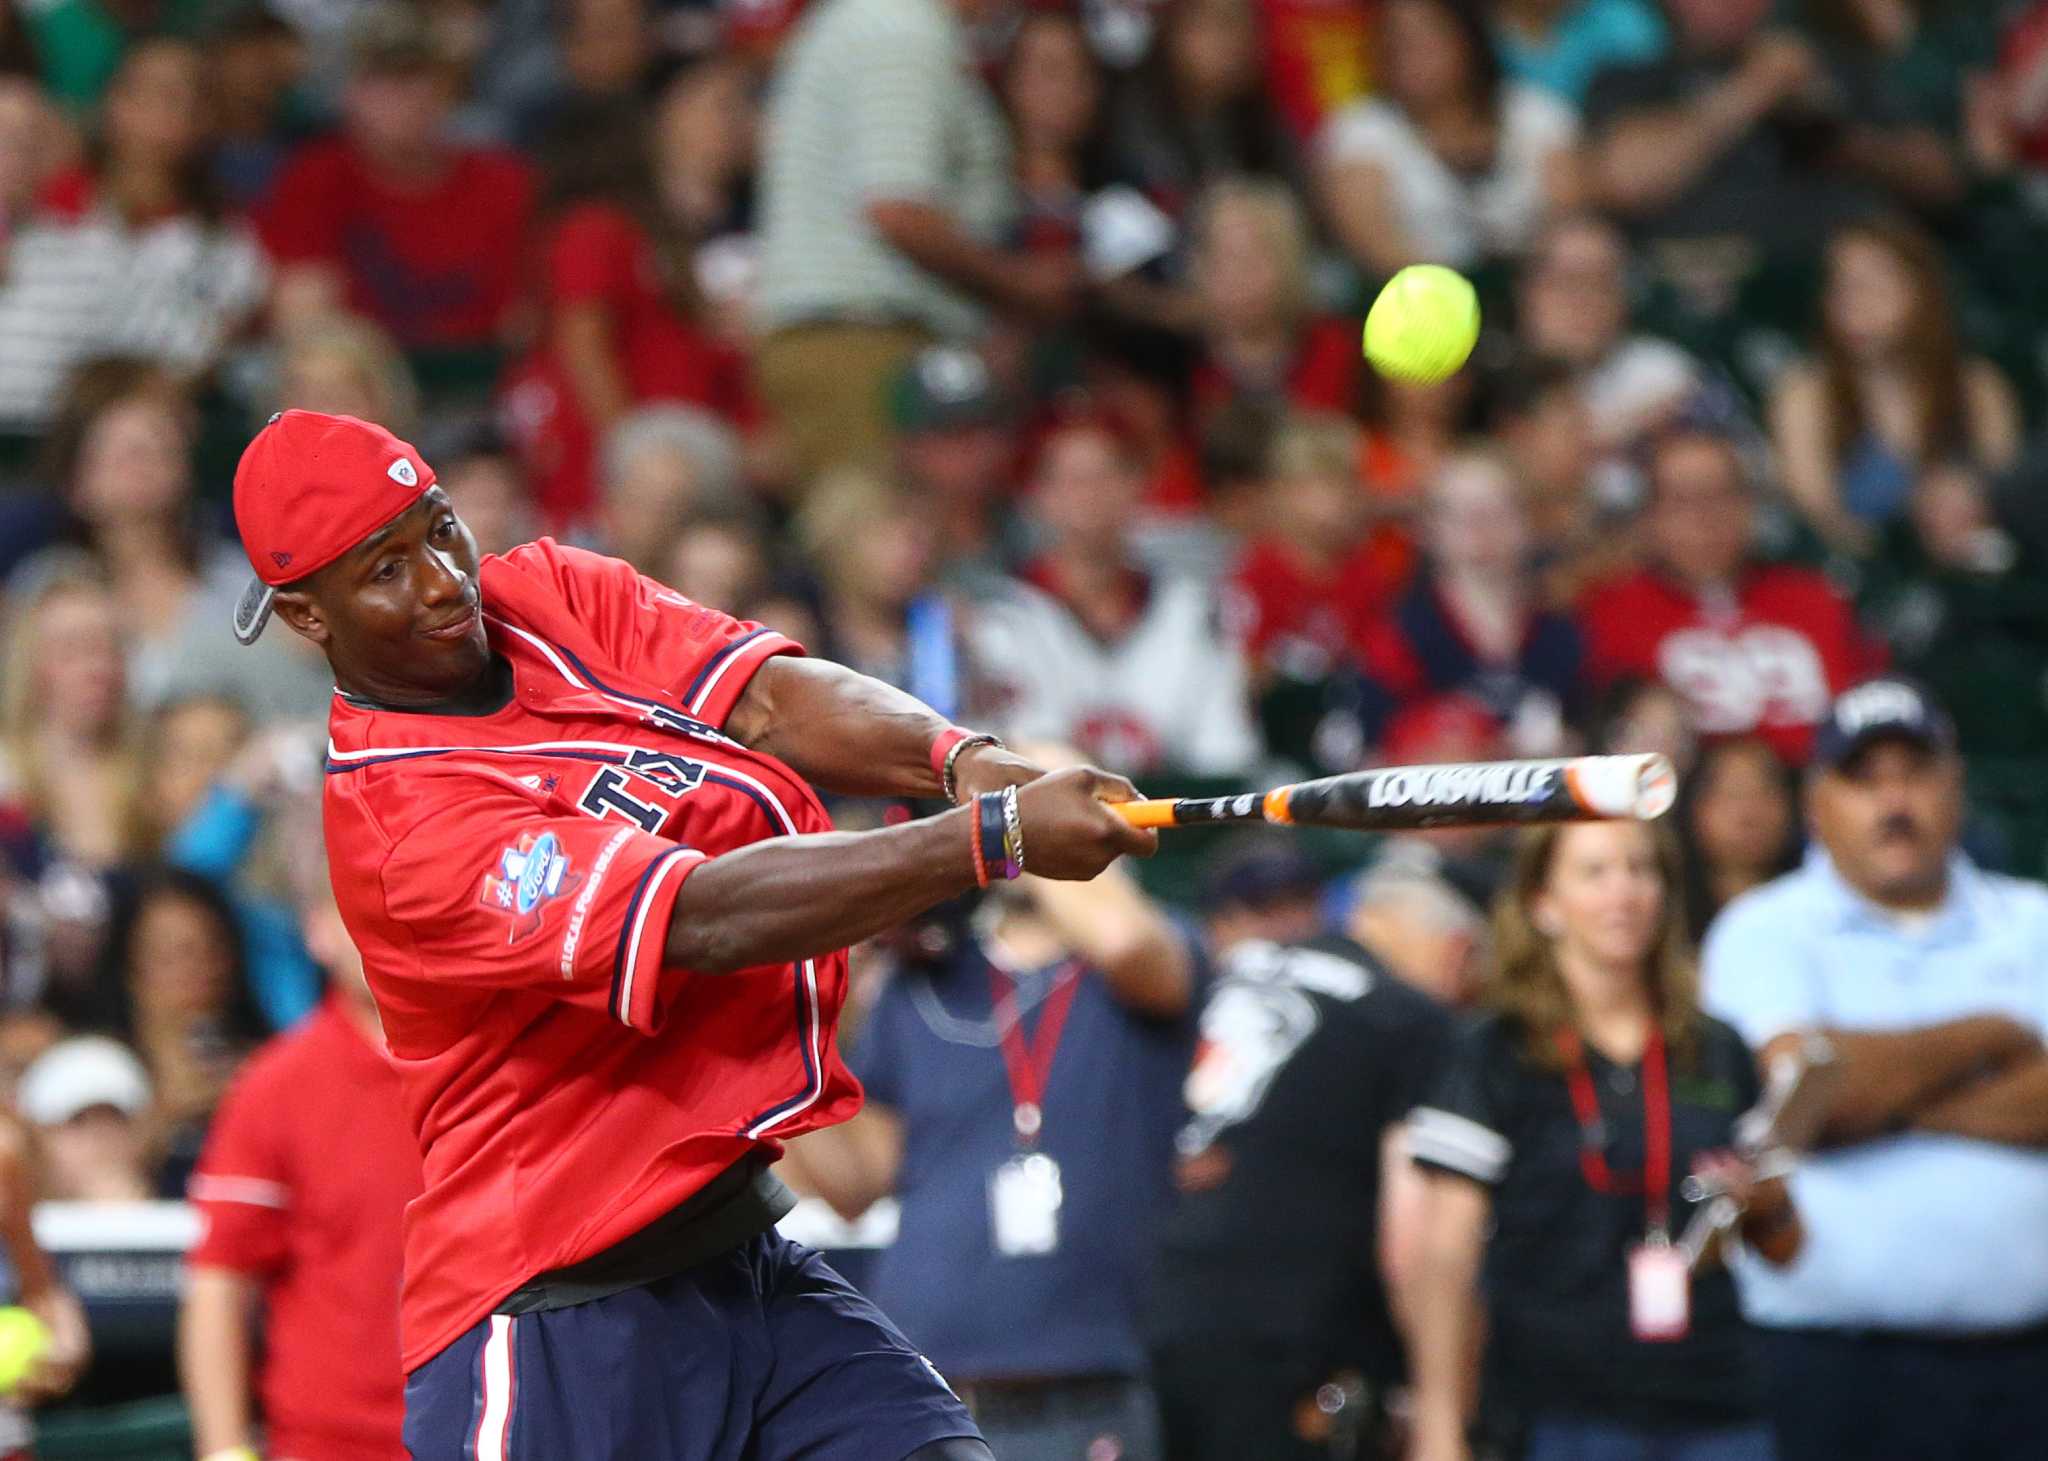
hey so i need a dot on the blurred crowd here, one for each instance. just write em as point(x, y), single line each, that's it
point(1009, 352)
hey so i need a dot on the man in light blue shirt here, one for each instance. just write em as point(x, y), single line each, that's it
point(1914, 1324)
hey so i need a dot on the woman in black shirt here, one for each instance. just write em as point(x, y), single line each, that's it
point(1555, 1143)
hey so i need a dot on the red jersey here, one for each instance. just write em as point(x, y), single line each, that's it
point(302, 1186)
point(1296, 618)
point(1767, 657)
point(598, 254)
point(509, 879)
point(437, 264)
point(1323, 376)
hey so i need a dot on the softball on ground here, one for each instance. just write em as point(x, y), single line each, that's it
point(1423, 326)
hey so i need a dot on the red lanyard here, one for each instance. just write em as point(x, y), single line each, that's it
point(1029, 1063)
point(1654, 1181)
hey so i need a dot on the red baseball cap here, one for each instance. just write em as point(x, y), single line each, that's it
point(309, 488)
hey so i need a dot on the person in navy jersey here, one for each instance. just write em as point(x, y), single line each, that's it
point(1470, 623)
point(1022, 1095)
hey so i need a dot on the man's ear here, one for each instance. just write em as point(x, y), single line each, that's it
point(297, 609)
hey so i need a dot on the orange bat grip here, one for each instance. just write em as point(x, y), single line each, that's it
point(1145, 813)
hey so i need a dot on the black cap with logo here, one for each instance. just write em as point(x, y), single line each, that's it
point(1890, 707)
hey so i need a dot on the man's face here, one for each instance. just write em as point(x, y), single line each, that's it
point(400, 615)
point(1888, 817)
point(398, 112)
point(1700, 519)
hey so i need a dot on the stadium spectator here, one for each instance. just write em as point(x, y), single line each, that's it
point(885, 184)
point(720, 558)
point(1756, 648)
point(1448, 162)
point(302, 1218)
point(52, 293)
point(1419, 924)
point(1052, 91)
point(88, 1099)
point(1915, 1325)
point(1538, 416)
point(872, 550)
point(487, 482)
point(1958, 597)
point(383, 219)
point(1555, 1142)
point(1738, 826)
point(1022, 1093)
point(249, 808)
point(1890, 389)
point(1561, 45)
point(252, 63)
point(1196, 111)
point(120, 454)
point(955, 453)
point(1572, 306)
point(623, 309)
point(1899, 68)
point(347, 366)
point(1084, 647)
point(1273, 1321)
point(1261, 338)
point(1705, 150)
point(1259, 885)
point(187, 277)
point(72, 767)
point(192, 739)
point(660, 464)
point(174, 986)
point(1472, 622)
point(1313, 582)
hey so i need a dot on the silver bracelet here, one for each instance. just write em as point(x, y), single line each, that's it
point(1013, 828)
point(947, 784)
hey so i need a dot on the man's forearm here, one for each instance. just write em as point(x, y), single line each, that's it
point(2010, 1108)
point(796, 897)
point(214, 1359)
point(931, 239)
point(844, 731)
point(1646, 161)
point(1888, 1077)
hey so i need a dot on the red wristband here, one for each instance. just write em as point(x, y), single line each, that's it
point(950, 737)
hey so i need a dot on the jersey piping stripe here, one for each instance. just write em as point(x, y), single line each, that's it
point(611, 753)
point(494, 1426)
point(626, 963)
point(252, 1191)
point(714, 671)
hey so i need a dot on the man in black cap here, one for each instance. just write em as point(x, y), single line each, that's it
point(1915, 1324)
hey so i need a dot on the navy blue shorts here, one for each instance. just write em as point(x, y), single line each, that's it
point(760, 1354)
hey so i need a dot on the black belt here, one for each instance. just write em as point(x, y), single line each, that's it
point(742, 1202)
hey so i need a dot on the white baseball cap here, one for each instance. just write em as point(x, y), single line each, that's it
point(78, 1074)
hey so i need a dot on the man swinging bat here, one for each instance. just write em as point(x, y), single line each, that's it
point(572, 829)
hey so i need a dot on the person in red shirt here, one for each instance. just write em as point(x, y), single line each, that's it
point(623, 318)
point(1260, 337)
point(392, 218)
point(301, 1217)
point(1310, 587)
point(1756, 648)
point(572, 828)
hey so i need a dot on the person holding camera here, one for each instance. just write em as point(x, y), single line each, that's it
point(1023, 1065)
